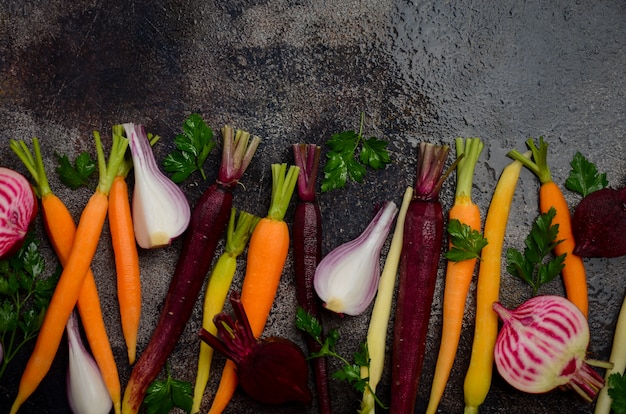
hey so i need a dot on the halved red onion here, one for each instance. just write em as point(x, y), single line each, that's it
point(346, 279)
point(18, 208)
point(160, 209)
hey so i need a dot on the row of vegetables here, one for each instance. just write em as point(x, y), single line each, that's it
point(541, 345)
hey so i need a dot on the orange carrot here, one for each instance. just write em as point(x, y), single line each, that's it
point(61, 229)
point(550, 195)
point(126, 255)
point(74, 273)
point(458, 272)
point(267, 253)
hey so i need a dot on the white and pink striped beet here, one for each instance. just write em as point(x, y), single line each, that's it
point(543, 344)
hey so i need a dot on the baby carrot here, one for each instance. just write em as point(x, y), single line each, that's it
point(126, 255)
point(379, 321)
point(237, 236)
point(74, 272)
point(550, 195)
point(479, 373)
point(61, 229)
point(458, 273)
point(267, 253)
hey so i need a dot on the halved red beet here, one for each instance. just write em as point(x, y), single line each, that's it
point(599, 224)
point(18, 208)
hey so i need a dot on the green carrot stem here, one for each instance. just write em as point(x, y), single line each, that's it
point(34, 163)
point(282, 189)
point(539, 163)
point(469, 149)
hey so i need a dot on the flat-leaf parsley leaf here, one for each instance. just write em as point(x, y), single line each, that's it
point(531, 266)
point(78, 174)
point(25, 292)
point(465, 242)
point(192, 149)
point(162, 396)
point(342, 164)
point(584, 177)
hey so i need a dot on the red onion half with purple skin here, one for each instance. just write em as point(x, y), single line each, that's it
point(542, 345)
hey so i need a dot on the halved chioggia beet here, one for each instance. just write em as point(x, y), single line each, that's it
point(542, 345)
point(18, 208)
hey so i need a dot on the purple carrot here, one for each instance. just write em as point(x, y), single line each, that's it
point(419, 261)
point(208, 222)
point(307, 253)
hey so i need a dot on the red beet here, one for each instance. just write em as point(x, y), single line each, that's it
point(271, 370)
point(599, 224)
point(18, 208)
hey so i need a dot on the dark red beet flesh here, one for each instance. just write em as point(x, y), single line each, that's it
point(208, 222)
point(599, 224)
point(271, 370)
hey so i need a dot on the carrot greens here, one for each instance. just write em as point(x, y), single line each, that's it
point(531, 266)
point(344, 165)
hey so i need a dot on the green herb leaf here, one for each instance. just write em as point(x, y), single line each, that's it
point(192, 149)
point(584, 177)
point(25, 292)
point(342, 163)
point(534, 266)
point(617, 392)
point(466, 243)
point(349, 371)
point(78, 174)
point(163, 395)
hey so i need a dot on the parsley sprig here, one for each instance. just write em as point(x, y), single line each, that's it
point(350, 371)
point(617, 392)
point(465, 242)
point(77, 174)
point(343, 164)
point(25, 292)
point(535, 266)
point(584, 177)
point(163, 395)
point(192, 149)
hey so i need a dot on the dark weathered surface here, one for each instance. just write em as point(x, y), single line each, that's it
point(299, 71)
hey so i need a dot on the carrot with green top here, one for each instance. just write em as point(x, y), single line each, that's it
point(267, 253)
point(74, 273)
point(237, 235)
point(126, 255)
point(551, 196)
point(479, 373)
point(61, 229)
point(464, 218)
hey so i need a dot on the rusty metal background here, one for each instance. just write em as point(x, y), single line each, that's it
point(299, 71)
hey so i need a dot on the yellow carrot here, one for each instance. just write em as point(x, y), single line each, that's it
point(221, 277)
point(479, 373)
point(379, 321)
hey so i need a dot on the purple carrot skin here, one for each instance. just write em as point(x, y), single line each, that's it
point(419, 262)
point(209, 220)
point(307, 253)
